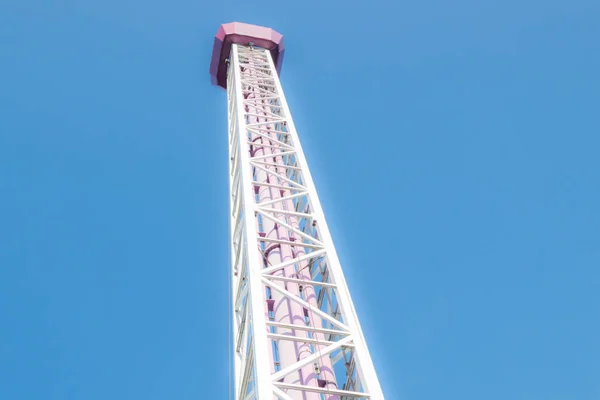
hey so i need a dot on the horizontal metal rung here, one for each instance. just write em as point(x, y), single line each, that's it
point(288, 242)
point(315, 389)
point(298, 339)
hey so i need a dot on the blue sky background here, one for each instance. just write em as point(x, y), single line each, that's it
point(455, 146)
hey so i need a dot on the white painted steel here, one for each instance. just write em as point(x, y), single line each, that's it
point(264, 389)
point(331, 327)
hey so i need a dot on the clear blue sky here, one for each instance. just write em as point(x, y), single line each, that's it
point(455, 145)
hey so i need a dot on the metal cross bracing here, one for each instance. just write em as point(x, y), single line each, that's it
point(296, 335)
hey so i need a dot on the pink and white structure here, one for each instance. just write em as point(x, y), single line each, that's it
point(295, 334)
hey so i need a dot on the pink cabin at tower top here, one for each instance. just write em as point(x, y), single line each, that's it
point(243, 34)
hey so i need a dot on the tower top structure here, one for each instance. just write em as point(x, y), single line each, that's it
point(242, 34)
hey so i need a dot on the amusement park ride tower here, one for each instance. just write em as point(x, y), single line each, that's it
point(295, 333)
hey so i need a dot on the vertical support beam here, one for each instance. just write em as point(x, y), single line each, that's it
point(235, 369)
point(264, 387)
point(367, 372)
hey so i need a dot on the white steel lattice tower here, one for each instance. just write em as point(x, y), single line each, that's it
point(295, 334)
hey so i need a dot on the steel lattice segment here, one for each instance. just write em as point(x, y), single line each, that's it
point(295, 331)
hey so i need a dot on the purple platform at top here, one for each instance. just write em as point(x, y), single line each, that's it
point(240, 33)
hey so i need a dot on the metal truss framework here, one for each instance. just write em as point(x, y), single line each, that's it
point(271, 190)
